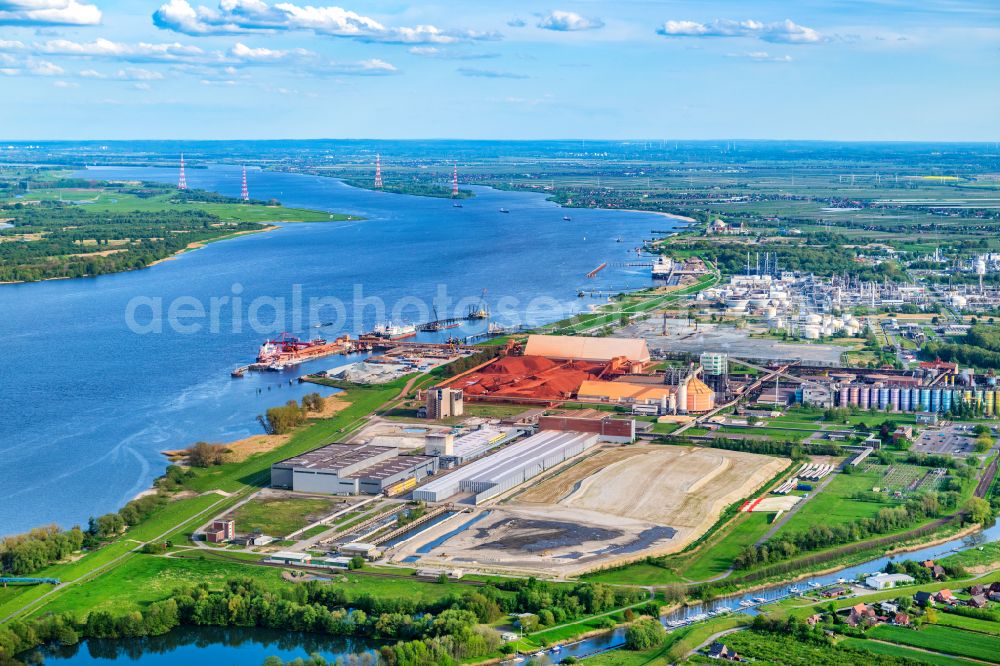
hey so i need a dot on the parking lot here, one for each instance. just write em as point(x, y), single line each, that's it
point(954, 440)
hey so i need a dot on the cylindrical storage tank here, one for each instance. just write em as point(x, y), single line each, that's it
point(700, 397)
point(853, 395)
point(883, 398)
point(990, 402)
point(844, 396)
point(810, 332)
point(914, 400)
point(925, 400)
point(936, 400)
point(967, 398)
point(814, 319)
point(894, 398)
point(946, 400)
point(864, 397)
point(979, 397)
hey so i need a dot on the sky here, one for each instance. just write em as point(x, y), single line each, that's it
point(906, 70)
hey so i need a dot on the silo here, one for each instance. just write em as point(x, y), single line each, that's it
point(864, 397)
point(894, 398)
point(844, 395)
point(853, 395)
point(979, 397)
point(946, 400)
point(936, 400)
point(883, 398)
point(925, 400)
point(914, 400)
point(990, 402)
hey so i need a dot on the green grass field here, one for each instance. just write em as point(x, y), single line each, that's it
point(969, 623)
point(718, 556)
point(99, 200)
point(906, 653)
point(833, 505)
point(280, 516)
point(942, 639)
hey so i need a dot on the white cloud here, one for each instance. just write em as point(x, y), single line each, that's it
point(245, 53)
point(250, 16)
point(141, 52)
point(137, 74)
point(142, 86)
point(761, 56)
point(44, 68)
point(489, 73)
point(372, 67)
point(568, 21)
point(447, 54)
point(65, 84)
point(48, 12)
point(786, 32)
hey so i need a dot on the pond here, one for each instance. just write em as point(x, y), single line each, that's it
point(207, 646)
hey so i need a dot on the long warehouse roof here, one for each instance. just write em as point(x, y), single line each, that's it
point(509, 459)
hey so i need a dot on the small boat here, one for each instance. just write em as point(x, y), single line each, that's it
point(618, 240)
point(841, 580)
point(746, 602)
point(793, 590)
point(760, 600)
point(813, 583)
point(567, 218)
point(723, 610)
point(504, 210)
point(556, 649)
point(456, 205)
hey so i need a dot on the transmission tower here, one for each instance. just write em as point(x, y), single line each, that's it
point(182, 183)
point(244, 192)
point(378, 171)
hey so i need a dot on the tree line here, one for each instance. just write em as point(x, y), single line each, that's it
point(819, 536)
point(445, 630)
point(26, 553)
point(48, 239)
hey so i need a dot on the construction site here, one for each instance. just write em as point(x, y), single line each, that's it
point(609, 507)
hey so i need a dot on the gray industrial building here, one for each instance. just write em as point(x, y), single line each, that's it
point(511, 466)
point(349, 469)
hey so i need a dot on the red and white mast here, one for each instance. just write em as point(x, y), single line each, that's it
point(378, 171)
point(182, 183)
point(244, 192)
point(454, 181)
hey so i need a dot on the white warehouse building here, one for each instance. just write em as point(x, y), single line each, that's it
point(509, 467)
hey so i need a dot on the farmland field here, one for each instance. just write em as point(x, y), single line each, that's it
point(898, 651)
point(942, 639)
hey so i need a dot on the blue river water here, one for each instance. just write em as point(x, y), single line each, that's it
point(90, 397)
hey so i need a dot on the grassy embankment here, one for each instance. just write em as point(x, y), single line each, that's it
point(219, 488)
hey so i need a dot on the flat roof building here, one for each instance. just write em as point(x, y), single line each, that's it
point(509, 467)
point(884, 581)
point(460, 450)
point(349, 469)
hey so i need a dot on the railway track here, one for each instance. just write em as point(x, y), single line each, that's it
point(986, 482)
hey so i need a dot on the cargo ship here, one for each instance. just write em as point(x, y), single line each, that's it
point(290, 350)
point(392, 331)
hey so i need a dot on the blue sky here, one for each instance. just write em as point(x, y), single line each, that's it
point(795, 69)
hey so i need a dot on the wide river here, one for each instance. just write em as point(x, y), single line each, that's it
point(97, 377)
